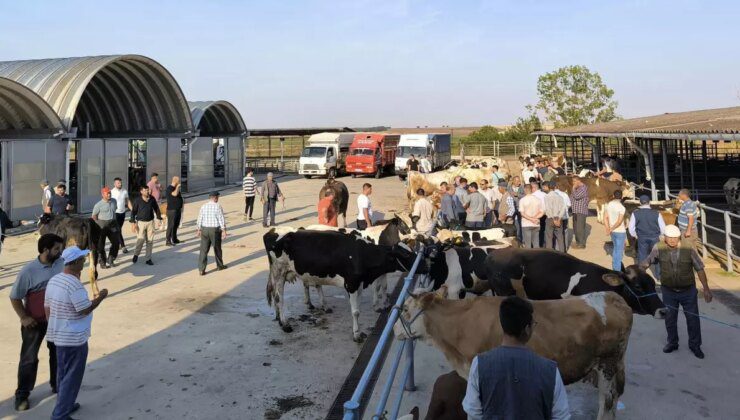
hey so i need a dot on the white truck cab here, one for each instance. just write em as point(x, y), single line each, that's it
point(436, 146)
point(324, 155)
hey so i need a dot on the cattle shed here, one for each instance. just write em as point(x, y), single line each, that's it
point(87, 120)
point(216, 156)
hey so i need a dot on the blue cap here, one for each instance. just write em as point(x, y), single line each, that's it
point(74, 253)
point(644, 199)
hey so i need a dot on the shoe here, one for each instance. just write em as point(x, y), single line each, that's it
point(176, 241)
point(250, 219)
point(110, 263)
point(53, 390)
point(670, 348)
point(223, 267)
point(124, 250)
point(272, 225)
point(21, 404)
point(169, 244)
point(697, 352)
point(75, 407)
point(136, 258)
point(149, 262)
point(202, 272)
point(264, 225)
point(103, 265)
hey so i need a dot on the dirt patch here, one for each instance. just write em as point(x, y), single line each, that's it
point(286, 404)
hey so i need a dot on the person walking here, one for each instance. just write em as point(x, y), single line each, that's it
point(123, 203)
point(580, 200)
point(687, 216)
point(531, 210)
point(678, 259)
point(143, 212)
point(476, 206)
point(175, 207)
point(269, 195)
point(536, 391)
point(614, 225)
point(507, 205)
point(647, 226)
point(27, 300)
point(423, 214)
point(555, 212)
point(211, 228)
point(249, 186)
point(45, 195)
point(155, 188)
point(450, 208)
point(60, 203)
point(104, 214)
point(365, 208)
point(69, 311)
point(325, 208)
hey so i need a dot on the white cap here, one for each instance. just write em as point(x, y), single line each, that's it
point(672, 231)
point(73, 253)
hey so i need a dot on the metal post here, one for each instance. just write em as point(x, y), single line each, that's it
point(691, 166)
point(704, 158)
point(351, 410)
point(728, 241)
point(680, 162)
point(410, 385)
point(652, 170)
point(704, 240)
point(665, 168)
point(282, 153)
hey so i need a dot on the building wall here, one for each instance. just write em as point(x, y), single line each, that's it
point(91, 176)
point(200, 171)
point(235, 160)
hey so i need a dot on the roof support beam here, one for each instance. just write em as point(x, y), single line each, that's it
point(648, 164)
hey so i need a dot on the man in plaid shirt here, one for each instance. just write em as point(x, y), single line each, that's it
point(579, 201)
point(211, 227)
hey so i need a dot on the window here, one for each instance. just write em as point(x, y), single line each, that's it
point(361, 152)
point(314, 152)
point(407, 151)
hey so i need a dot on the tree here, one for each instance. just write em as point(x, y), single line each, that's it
point(523, 127)
point(484, 134)
point(574, 95)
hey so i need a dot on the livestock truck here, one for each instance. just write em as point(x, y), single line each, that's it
point(325, 155)
point(372, 154)
point(436, 146)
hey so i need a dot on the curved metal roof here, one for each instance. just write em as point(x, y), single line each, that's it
point(214, 118)
point(115, 94)
point(21, 109)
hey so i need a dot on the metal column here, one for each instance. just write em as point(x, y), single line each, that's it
point(665, 168)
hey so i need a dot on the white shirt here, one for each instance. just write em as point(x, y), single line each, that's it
point(541, 196)
point(426, 166)
point(614, 209)
point(65, 297)
point(526, 174)
point(121, 197)
point(633, 225)
point(491, 196)
point(566, 198)
point(472, 405)
point(46, 197)
point(363, 202)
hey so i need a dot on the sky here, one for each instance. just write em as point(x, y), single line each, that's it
point(402, 63)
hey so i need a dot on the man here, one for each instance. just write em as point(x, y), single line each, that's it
point(495, 176)
point(540, 194)
point(326, 210)
point(476, 206)
point(27, 300)
point(412, 164)
point(687, 216)
point(365, 208)
point(175, 207)
point(45, 195)
point(425, 164)
point(249, 186)
point(450, 208)
point(646, 225)
point(269, 195)
point(492, 196)
point(529, 173)
point(566, 217)
point(555, 212)
point(60, 203)
point(69, 310)
point(614, 225)
point(123, 203)
point(423, 214)
point(211, 228)
point(143, 211)
point(516, 189)
point(155, 188)
point(678, 260)
point(531, 210)
point(462, 193)
point(104, 214)
point(536, 390)
point(579, 199)
point(507, 205)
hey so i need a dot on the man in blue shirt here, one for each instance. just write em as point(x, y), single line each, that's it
point(687, 216)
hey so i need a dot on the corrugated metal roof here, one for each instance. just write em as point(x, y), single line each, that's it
point(115, 93)
point(215, 118)
point(21, 109)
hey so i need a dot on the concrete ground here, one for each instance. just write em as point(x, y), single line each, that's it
point(168, 343)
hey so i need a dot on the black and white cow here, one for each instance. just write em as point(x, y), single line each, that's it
point(320, 258)
point(548, 274)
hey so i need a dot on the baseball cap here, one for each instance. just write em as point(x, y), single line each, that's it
point(672, 231)
point(73, 253)
point(105, 190)
point(644, 199)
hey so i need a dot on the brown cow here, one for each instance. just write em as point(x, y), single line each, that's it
point(584, 335)
point(600, 190)
point(447, 398)
point(341, 197)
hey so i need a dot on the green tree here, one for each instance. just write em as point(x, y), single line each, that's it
point(484, 134)
point(573, 95)
point(523, 127)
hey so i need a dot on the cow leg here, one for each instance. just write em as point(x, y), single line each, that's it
point(280, 304)
point(354, 303)
point(93, 273)
point(322, 300)
point(307, 297)
point(600, 213)
point(380, 293)
point(608, 391)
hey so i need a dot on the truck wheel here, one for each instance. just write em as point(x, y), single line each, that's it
point(401, 177)
point(332, 173)
point(307, 176)
point(378, 173)
point(354, 175)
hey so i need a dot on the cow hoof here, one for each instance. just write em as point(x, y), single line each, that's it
point(287, 328)
point(359, 338)
point(311, 307)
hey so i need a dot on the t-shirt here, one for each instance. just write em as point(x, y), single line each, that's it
point(477, 207)
point(530, 205)
point(58, 203)
point(173, 203)
point(363, 202)
point(492, 195)
point(412, 165)
point(154, 189)
point(325, 205)
point(424, 210)
point(46, 196)
point(33, 277)
point(614, 209)
point(527, 174)
point(105, 210)
point(688, 208)
point(121, 197)
point(541, 196)
point(249, 186)
point(65, 297)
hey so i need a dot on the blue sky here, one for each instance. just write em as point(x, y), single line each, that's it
point(399, 63)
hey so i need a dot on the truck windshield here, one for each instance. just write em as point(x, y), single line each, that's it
point(362, 152)
point(407, 151)
point(314, 152)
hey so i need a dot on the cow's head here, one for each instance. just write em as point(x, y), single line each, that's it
point(410, 322)
point(404, 258)
point(638, 290)
point(628, 190)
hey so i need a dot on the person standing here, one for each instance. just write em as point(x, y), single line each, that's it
point(536, 391)
point(143, 212)
point(555, 212)
point(175, 207)
point(425, 164)
point(507, 205)
point(516, 189)
point(45, 195)
point(27, 300)
point(249, 186)
point(269, 195)
point(529, 173)
point(123, 203)
point(531, 210)
point(580, 200)
point(365, 207)
point(492, 196)
point(69, 311)
point(566, 199)
point(687, 216)
point(326, 210)
point(614, 225)
point(104, 214)
point(646, 225)
point(462, 193)
point(412, 164)
point(211, 228)
point(540, 194)
point(60, 203)
point(155, 188)
point(678, 259)
point(423, 214)
point(450, 208)
point(495, 176)
point(476, 206)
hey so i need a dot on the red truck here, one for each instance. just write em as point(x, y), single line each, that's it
point(372, 153)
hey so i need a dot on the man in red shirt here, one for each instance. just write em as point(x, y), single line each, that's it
point(327, 212)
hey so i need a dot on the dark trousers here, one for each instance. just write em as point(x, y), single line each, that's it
point(70, 370)
point(554, 235)
point(210, 236)
point(173, 222)
point(579, 228)
point(644, 246)
point(543, 226)
point(121, 219)
point(269, 208)
point(248, 206)
point(689, 302)
point(109, 230)
point(361, 224)
point(31, 339)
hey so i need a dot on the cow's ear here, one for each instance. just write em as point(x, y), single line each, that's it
point(442, 292)
point(427, 299)
point(612, 279)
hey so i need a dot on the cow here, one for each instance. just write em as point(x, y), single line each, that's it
point(548, 274)
point(447, 398)
point(341, 197)
point(504, 231)
point(83, 232)
point(599, 189)
point(584, 335)
point(732, 193)
point(430, 182)
point(329, 258)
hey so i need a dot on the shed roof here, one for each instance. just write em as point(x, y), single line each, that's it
point(22, 110)
point(214, 118)
point(298, 131)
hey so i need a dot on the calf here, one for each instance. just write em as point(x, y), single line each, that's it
point(341, 197)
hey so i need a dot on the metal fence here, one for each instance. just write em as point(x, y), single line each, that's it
point(289, 165)
point(495, 148)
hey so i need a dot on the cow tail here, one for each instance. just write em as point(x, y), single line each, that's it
point(270, 287)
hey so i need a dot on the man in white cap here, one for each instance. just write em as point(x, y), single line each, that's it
point(678, 260)
point(69, 310)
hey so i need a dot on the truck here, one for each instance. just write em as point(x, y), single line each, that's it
point(436, 146)
point(372, 154)
point(325, 155)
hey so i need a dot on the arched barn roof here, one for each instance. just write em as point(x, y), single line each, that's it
point(216, 118)
point(115, 94)
point(21, 109)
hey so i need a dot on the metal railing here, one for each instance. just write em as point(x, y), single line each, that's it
point(352, 408)
point(273, 164)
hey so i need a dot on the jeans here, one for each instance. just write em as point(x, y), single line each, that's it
point(269, 208)
point(644, 246)
point(688, 300)
point(618, 239)
point(488, 220)
point(543, 226)
point(248, 206)
point(579, 228)
point(173, 222)
point(210, 236)
point(70, 370)
point(31, 339)
point(531, 237)
point(121, 219)
point(475, 225)
point(554, 237)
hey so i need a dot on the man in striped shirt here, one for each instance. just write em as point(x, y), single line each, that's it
point(250, 190)
point(211, 227)
point(69, 310)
